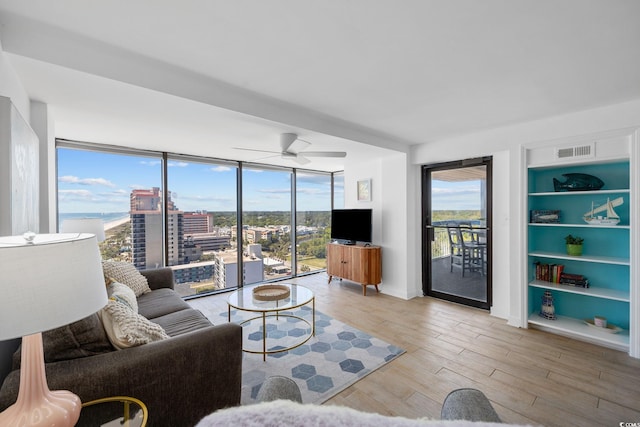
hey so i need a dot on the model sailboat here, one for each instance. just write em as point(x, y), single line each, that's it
point(610, 217)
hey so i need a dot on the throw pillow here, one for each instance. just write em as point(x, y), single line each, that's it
point(127, 274)
point(122, 293)
point(83, 338)
point(126, 328)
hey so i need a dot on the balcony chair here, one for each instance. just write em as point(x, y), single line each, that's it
point(466, 250)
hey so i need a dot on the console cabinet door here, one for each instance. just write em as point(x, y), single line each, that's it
point(335, 260)
point(365, 265)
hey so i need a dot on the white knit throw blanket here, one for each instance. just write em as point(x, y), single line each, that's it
point(291, 414)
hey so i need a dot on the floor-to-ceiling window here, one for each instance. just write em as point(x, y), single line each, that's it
point(203, 207)
point(124, 191)
point(313, 217)
point(266, 223)
point(161, 209)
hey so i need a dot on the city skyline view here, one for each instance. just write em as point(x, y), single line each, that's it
point(98, 182)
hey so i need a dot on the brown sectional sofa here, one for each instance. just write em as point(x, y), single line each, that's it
point(181, 379)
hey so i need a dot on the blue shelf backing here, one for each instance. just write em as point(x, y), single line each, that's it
point(608, 276)
point(613, 242)
point(615, 175)
point(582, 306)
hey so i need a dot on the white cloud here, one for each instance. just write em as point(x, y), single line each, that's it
point(150, 162)
point(76, 193)
point(178, 164)
point(221, 169)
point(70, 179)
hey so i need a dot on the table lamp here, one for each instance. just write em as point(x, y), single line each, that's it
point(48, 281)
point(84, 225)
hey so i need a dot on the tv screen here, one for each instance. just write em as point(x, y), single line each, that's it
point(351, 225)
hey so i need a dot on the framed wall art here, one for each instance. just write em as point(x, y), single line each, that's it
point(364, 190)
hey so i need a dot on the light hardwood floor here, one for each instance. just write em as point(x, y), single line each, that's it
point(531, 377)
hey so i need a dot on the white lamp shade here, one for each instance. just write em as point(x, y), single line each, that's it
point(84, 225)
point(55, 280)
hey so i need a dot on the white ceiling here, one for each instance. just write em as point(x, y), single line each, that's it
point(204, 76)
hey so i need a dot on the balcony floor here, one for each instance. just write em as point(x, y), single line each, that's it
point(473, 285)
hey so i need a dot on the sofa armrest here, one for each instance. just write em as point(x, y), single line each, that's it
point(180, 380)
point(159, 278)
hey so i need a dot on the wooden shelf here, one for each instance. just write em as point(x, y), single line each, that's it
point(596, 292)
point(577, 328)
point(583, 258)
point(580, 193)
point(584, 225)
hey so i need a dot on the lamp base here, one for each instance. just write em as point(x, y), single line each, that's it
point(36, 404)
point(59, 408)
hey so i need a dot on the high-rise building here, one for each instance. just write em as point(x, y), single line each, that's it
point(226, 269)
point(198, 222)
point(147, 229)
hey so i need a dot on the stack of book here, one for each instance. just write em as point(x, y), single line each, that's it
point(549, 272)
point(574, 280)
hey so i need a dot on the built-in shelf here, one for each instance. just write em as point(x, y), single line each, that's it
point(612, 294)
point(608, 258)
point(584, 225)
point(580, 193)
point(582, 258)
point(578, 327)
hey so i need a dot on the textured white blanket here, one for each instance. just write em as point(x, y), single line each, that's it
point(291, 414)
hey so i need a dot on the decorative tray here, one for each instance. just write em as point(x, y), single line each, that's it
point(271, 292)
point(612, 329)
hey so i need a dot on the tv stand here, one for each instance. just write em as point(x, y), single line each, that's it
point(360, 264)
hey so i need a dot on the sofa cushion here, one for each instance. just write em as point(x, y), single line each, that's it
point(126, 328)
point(126, 273)
point(122, 293)
point(83, 338)
point(160, 302)
point(183, 321)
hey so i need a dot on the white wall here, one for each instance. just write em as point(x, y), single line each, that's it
point(43, 125)
point(11, 87)
point(389, 201)
point(505, 145)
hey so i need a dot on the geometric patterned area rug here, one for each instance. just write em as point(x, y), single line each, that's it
point(332, 360)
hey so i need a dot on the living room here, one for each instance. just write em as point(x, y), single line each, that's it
point(581, 84)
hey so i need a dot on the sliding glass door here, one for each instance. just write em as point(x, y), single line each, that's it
point(456, 201)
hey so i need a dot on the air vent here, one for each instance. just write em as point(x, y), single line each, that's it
point(577, 151)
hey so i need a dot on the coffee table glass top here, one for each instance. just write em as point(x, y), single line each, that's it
point(243, 299)
point(114, 411)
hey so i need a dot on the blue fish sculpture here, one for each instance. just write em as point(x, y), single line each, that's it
point(578, 182)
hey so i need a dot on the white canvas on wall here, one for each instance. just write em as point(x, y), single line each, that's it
point(20, 180)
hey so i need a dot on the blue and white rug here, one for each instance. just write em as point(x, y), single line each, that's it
point(335, 358)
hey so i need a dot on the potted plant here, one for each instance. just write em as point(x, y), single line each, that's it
point(574, 245)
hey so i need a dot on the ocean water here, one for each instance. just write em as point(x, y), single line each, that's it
point(106, 216)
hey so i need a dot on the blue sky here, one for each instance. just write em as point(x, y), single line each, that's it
point(464, 195)
point(100, 182)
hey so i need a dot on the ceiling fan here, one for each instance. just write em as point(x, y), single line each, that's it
point(294, 148)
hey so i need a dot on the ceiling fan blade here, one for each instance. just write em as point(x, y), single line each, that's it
point(298, 158)
point(325, 154)
point(287, 140)
point(258, 151)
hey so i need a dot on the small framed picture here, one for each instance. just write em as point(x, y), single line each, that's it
point(364, 190)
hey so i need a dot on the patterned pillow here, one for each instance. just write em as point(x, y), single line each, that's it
point(122, 293)
point(127, 274)
point(126, 328)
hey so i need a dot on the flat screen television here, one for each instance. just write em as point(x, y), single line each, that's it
point(349, 226)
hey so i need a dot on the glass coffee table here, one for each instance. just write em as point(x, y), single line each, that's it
point(114, 411)
point(270, 312)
